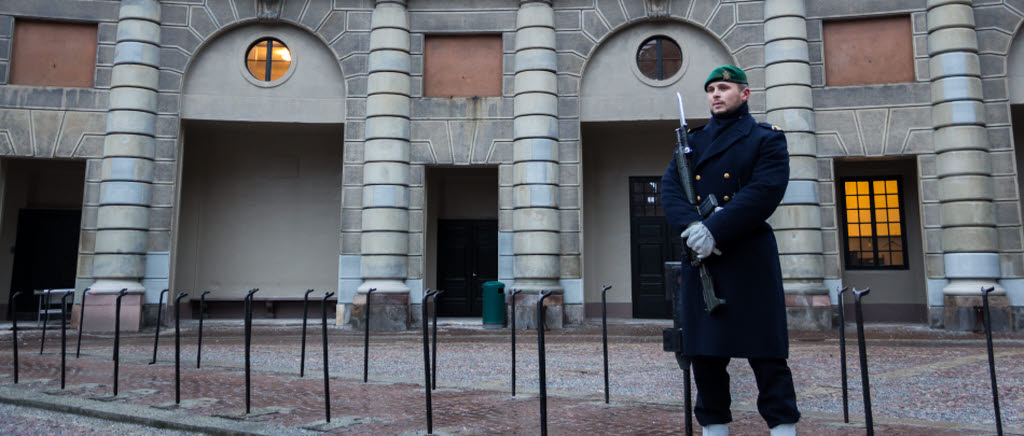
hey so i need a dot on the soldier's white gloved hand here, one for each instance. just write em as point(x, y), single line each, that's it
point(699, 239)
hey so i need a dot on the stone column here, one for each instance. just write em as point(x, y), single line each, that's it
point(127, 173)
point(969, 242)
point(385, 221)
point(797, 222)
point(535, 225)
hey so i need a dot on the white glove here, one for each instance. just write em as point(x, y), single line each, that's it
point(699, 239)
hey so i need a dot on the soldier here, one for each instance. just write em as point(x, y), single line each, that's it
point(745, 164)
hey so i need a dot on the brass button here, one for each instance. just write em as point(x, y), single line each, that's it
point(698, 176)
point(726, 198)
point(698, 198)
point(726, 175)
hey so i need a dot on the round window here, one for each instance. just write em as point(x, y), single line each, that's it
point(659, 58)
point(268, 59)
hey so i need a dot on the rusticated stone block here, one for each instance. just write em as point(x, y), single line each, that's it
point(965, 313)
point(388, 312)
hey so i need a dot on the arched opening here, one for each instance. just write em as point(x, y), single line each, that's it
point(628, 118)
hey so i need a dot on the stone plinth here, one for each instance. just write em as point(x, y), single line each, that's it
point(388, 311)
point(526, 311)
point(965, 313)
point(808, 312)
point(100, 308)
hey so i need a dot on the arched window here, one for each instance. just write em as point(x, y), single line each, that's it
point(659, 57)
point(264, 67)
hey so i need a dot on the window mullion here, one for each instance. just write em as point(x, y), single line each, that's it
point(270, 57)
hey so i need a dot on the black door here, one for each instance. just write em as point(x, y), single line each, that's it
point(45, 252)
point(467, 256)
point(650, 246)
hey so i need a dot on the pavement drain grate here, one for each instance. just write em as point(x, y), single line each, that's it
point(258, 412)
point(188, 404)
point(138, 393)
point(339, 422)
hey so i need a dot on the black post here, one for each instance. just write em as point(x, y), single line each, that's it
point(842, 354)
point(366, 337)
point(604, 338)
point(46, 317)
point(991, 358)
point(199, 344)
point(541, 364)
point(426, 360)
point(512, 302)
point(117, 334)
point(64, 333)
point(248, 344)
point(177, 347)
point(305, 316)
point(81, 323)
point(14, 332)
point(159, 315)
point(433, 354)
point(327, 384)
point(863, 359)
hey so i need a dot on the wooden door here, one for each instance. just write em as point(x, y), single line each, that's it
point(651, 246)
point(467, 256)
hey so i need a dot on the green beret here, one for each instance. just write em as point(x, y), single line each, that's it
point(727, 73)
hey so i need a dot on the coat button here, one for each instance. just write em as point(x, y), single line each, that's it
point(726, 175)
point(698, 176)
point(698, 198)
point(726, 198)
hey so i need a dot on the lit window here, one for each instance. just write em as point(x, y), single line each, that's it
point(873, 223)
point(659, 58)
point(268, 68)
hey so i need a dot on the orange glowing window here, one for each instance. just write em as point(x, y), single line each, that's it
point(272, 67)
point(873, 223)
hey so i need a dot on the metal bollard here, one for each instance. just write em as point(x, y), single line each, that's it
point(541, 364)
point(14, 332)
point(863, 359)
point(81, 323)
point(46, 318)
point(426, 360)
point(117, 334)
point(327, 384)
point(64, 334)
point(433, 354)
point(199, 343)
point(991, 358)
point(159, 316)
point(177, 347)
point(366, 337)
point(512, 302)
point(305, 316)
point(604, 337)
point(842, 354)
point(248, 346)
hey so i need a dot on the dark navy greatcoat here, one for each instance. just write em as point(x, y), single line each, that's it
point(747, 168)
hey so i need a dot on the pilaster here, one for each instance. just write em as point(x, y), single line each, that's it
point(797, 221)
point(385, 215)
point(970, 246)
point(127, 169)
point(535, 221)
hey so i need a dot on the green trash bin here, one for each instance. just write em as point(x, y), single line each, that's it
point(494, 305)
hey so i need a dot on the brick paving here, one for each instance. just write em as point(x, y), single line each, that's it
point(924, 382)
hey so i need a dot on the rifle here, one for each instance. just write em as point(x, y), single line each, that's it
point(705, 208)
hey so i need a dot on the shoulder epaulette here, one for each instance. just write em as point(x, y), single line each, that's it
point(694, 129)
point(770, 127)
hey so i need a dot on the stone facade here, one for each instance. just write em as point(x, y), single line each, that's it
point(953, 122)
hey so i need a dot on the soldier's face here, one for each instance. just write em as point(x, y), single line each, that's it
point(725, 97)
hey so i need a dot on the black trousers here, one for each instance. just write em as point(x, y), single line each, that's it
point(776, 399)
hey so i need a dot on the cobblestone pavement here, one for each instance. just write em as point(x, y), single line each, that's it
point(923, 382)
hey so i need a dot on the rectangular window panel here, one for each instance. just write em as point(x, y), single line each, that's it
point(462, 66)
point(53, 54)
point(853, 53)
point(874, 227)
